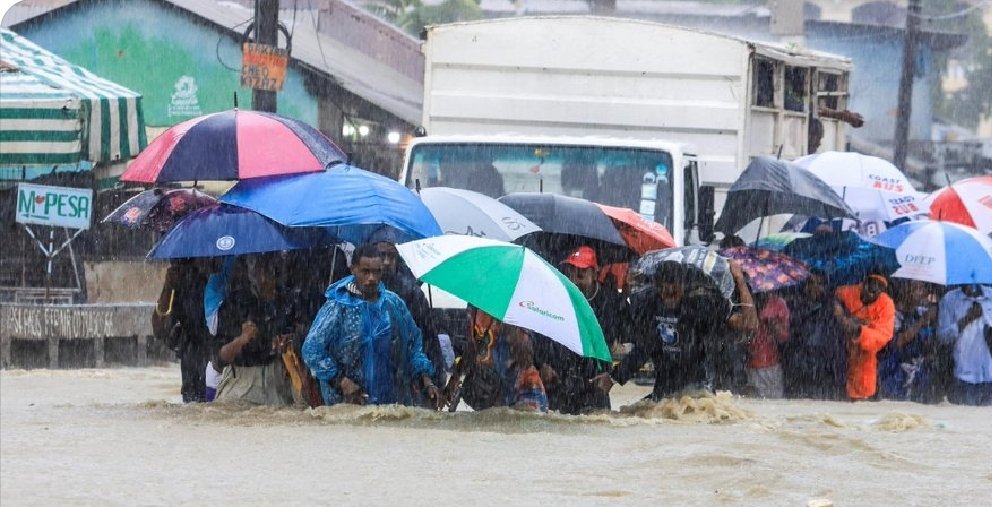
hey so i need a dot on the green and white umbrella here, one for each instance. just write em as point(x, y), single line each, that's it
point(511, 283)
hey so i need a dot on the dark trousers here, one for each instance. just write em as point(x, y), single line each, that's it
point(964, 393)
point(193, 359)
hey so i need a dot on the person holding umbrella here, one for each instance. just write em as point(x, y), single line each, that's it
point(866, 316)
point(364, 347)
point(966, 321)
point(579, 387)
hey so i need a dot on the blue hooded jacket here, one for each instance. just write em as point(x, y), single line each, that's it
point(376, 344)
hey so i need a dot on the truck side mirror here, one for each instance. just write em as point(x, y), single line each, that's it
point(706, 213)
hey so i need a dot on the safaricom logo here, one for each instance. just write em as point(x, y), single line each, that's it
point(541, 311)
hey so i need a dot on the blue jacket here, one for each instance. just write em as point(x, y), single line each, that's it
point(374, 343)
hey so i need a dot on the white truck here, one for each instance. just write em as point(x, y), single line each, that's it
point(658, 118)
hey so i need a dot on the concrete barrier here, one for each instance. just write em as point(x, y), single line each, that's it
point(96, 322)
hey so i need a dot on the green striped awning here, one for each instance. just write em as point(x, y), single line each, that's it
point(54, 112)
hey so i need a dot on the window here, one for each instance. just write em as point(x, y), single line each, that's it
point(796, 88)
point(764, 83)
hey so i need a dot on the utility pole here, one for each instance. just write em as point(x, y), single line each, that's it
point(266, 32)
point(904, 109)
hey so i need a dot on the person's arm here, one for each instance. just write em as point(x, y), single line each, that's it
point(907, 335)
point(746, 319)
point(316, 346)
point(948, 317)
point(877, 332)
point(854, 119)
point(162, 316)
point(232, 349)
point(643, 332)
point(418, 364)
point(778, 324)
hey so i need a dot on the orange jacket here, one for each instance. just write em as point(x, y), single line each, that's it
point(880, 318)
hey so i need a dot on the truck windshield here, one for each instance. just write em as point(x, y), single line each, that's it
point(639, 179)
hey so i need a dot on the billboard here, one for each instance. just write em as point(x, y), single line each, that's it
point(54, 206)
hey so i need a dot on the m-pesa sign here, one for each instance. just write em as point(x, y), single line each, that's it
point(55, 206)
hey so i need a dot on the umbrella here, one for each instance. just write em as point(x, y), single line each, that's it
point(466, 212)
point(769, 187)
point(570, 222)
point(234, 145)
point(695, 259)
point(640, 235)
point(873, 187)
point(511, 283)
point(220, 230)
point(779, 240)
point(940, 252)
point(159, 209)
point(967, 202)
point(351, 203)
point(767, 270)
point(843, 256)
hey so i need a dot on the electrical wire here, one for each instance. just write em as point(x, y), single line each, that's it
point(222, 37)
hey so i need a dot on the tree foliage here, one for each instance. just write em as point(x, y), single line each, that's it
point(413, 15)
point(967, 106)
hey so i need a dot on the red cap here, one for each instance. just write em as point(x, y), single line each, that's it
point(582, 257)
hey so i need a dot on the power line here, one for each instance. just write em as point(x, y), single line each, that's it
point(960, 13)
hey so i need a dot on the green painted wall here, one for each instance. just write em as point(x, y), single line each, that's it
point(182, 67)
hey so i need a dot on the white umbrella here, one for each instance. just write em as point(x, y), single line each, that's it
point(466, 212)
point(873, 187)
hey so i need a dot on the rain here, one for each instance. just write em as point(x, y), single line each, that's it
point(437, 252)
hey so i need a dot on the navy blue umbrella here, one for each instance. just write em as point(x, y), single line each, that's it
point(844, 257)
point(229, 230)
point(354, 205)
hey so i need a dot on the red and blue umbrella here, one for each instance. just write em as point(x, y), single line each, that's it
point(234, 145)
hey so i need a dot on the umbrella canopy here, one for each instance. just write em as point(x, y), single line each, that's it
point(466, 212)
point(221, 230)
point(351, 203)
point(569, 222)
point(234, 145)
point(640, 235)
point(511, 283)
point(769, 187)
point(873, 187)
point(843, 256)
point(967, 202)
point(55, 112)
point(779, 240)
point(697, 261)
point(767, 270)
point(159, 209)
point(940, 252)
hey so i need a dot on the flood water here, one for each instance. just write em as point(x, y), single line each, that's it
point(120, 437)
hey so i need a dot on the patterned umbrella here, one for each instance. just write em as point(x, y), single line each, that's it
point(767, 270)
point(159, 209)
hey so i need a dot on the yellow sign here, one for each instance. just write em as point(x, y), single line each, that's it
point(263, 67)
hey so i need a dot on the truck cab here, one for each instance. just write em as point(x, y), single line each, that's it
point(658, 179)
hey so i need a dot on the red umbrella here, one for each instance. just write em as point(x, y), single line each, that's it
point(641, 235)
point(234, 145)
point(967, 202)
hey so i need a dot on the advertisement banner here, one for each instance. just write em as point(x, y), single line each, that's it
point(54, 206)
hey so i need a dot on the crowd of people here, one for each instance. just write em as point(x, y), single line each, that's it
point(268, 329)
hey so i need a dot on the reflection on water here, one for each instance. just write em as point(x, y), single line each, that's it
point(120, 437)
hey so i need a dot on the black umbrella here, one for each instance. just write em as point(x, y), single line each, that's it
point(568, 222)
point(771, 186)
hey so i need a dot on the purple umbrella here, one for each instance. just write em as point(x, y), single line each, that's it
point(767, 270)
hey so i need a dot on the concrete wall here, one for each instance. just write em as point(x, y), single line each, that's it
point(123, 281)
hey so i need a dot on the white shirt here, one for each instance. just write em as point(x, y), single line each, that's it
point(972, 359)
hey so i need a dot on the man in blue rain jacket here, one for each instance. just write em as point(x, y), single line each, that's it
point(364, 346)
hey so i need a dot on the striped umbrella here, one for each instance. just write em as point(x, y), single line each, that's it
point(967, 202)
point(511, 283)
point(54, 112)
point(940, 252)
point(234, 145)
